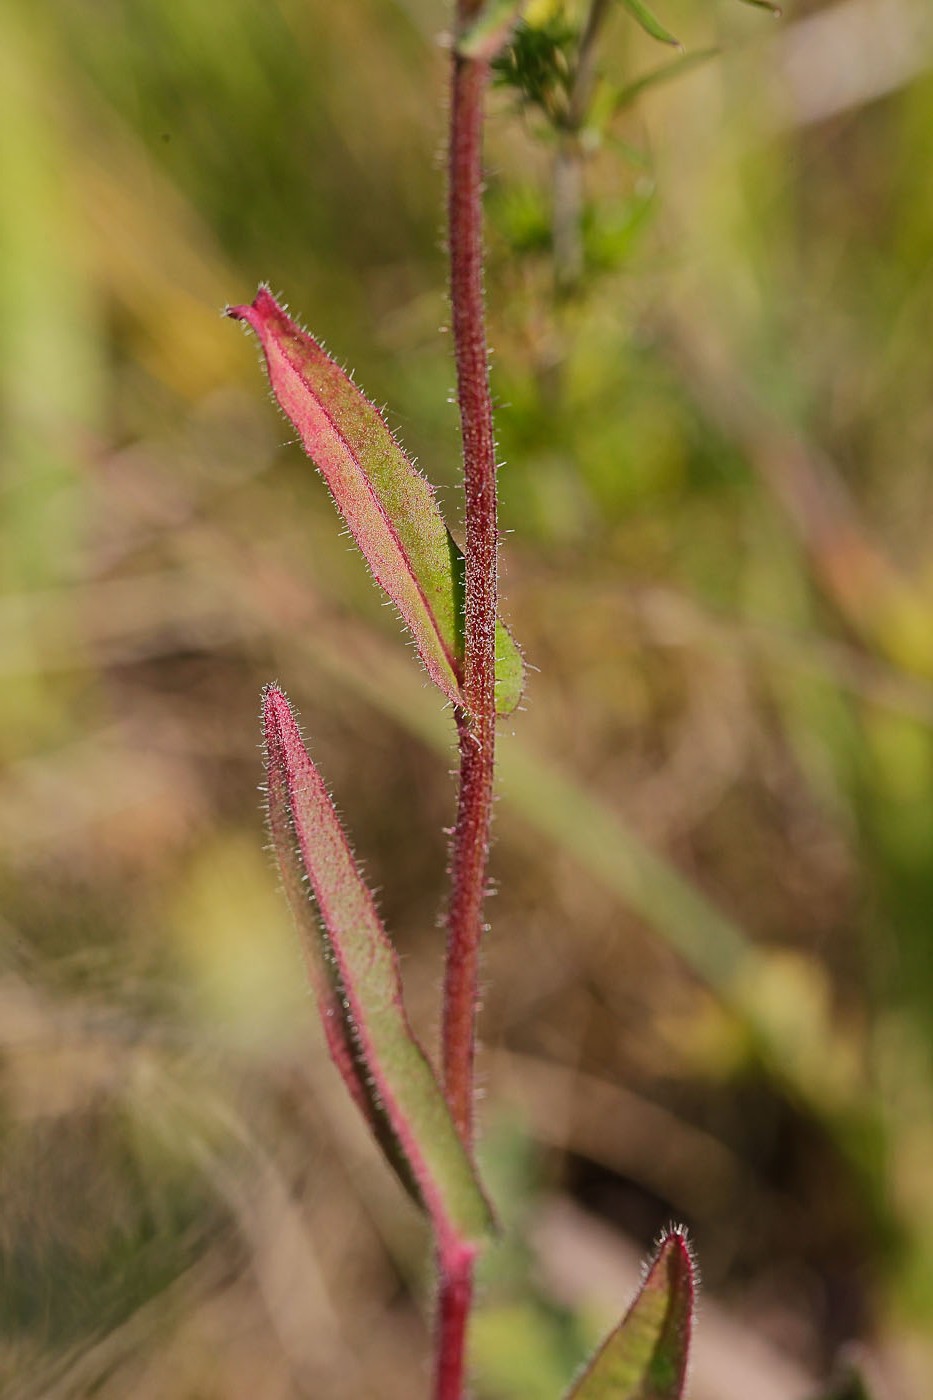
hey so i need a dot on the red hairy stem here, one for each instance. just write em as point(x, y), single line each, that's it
point(476, 720)
point(465, 914)
point(456, 1296)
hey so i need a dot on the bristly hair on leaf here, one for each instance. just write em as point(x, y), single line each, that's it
point(354, 972)
point(645, 1358)
point(388, 505)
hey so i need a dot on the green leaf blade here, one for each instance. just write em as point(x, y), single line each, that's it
point(650, 23)
point(624, 96)
point(388, 504)
point(510, 671)
point(354, 971)
point(645, 1358)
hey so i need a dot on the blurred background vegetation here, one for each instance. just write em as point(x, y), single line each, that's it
point(710, 975)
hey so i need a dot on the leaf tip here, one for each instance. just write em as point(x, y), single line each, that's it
point(274, 699)
point(675, 1256)
point(647, 1353)
point(279, 726)
point(673, 1272)
point(257, 312)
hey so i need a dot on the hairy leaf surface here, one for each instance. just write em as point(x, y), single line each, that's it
point(645, 1358)
point(850, 1385)
point(355, 975)
point(388, 505)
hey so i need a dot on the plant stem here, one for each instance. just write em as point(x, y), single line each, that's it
point(568, 165)
point(476, 720)
point(456, 1296)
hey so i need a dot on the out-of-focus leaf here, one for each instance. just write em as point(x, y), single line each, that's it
point(645, 1358)
point(650, 22)
point(765, 5)
point(610, 231)
point(355, 975)
point(847, 1386)
point(618, 99)
point(510, 668)
point(490, 30)
point(389, 506)
point(538, 64)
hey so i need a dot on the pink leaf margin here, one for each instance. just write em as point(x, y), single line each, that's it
point(389, 506)
point(354, 971)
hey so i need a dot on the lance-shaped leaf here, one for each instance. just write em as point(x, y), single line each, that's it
point(650, 22)
point(388, 505)
point(645, 1358)
point(355, 974)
